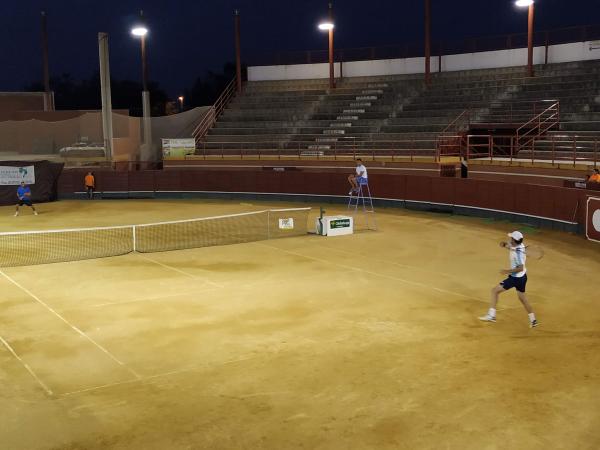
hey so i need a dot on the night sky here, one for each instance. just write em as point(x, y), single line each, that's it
point(187, 38)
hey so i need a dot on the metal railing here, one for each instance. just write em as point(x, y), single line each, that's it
point(401, 150)
point(564, 149)
point(211, 116)
point(538, 125)
point(555, 149)
point(451, 140)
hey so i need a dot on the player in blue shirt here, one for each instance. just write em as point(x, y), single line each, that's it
point(24, 198)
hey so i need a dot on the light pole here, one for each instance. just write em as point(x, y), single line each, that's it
point(107, 124)
point(48, 96)
point(531, 5)
point(428, 42)
point(180, 98)
point(141, 31)
point(238, 51)
point(329, 26)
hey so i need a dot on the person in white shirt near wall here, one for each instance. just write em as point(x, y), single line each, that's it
point(361, 177)
point(517, 278)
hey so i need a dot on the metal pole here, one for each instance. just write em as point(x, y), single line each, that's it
point(48, 103)
point(530, 40)
point(428, 42)
point(331, 66)
point(144, 65)
point(547, 47)
point(107, 125)
point(147, 154)
point(238, 52)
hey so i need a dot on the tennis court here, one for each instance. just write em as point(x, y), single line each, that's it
point(363, 341)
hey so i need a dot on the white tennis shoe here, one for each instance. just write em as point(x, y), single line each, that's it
point(17, 213)
point(488, 318)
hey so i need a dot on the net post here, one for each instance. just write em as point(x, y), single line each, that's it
point(268, 224)
point(134, 239)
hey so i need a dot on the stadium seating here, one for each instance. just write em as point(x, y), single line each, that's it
point(400, 114)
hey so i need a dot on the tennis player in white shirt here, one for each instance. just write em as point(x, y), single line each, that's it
point(361, 177)
point(517, 278)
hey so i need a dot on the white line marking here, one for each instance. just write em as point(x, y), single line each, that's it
point(421, 270)
point(390, 262)
point(31, 372)
point(151, 299)
point(175, 269)
point(158, 375)
point(73, 327)
point(403, 280)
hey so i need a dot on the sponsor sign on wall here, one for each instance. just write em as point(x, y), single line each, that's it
point(13, 176)
point(592, 226)
point(178, 148)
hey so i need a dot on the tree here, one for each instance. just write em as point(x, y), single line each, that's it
point(207, 89)
point(85, 94)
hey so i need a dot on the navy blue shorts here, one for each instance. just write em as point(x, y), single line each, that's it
point(24, 201)
point(514, 282)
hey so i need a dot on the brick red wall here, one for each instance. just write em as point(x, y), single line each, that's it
point(553, 202)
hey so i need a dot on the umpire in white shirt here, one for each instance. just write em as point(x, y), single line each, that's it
point(361, 177)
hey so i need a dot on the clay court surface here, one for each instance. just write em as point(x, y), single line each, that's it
point(369, 341)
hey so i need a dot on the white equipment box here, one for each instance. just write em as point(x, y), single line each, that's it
point(335, 225)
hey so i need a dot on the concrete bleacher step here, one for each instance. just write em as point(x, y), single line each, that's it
point(400, 109)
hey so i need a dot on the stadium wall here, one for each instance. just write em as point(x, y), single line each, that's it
point(12, 102)
point(577, 51)
point(546, 206)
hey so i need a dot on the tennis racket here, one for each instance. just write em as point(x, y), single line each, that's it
point(532, 251)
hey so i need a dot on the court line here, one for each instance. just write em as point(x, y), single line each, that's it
point(530, 294)
point(183, 272)
point(390, 262)
point(29, 369)
point(151, 377)
point(73, 327)
point(158, 298)
point(500, 308)
point(378, 274)
point(152, 299)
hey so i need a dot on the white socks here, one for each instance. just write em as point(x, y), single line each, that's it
point(531, 317)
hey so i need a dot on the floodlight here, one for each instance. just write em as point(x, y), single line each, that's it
point(326, 26)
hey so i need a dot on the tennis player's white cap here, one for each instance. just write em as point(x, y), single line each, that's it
point(516, 235)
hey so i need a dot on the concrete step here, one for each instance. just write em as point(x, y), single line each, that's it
point(247, 138)
point(580, 126)
point(353, 120)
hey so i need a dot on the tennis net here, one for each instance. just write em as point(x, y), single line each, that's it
point(52, 246)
